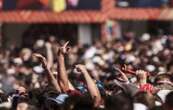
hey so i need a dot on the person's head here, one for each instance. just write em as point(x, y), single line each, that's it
point(25, 54)
point(52, 105)
point(3, 98)
point(22, 106)
point(118, 102)
point(168, 105)
point(145, 98)
point(25, 106)
point(5, 104)
point(36, 97)
point(79, 103)
point(22, 103)
point(164, 81)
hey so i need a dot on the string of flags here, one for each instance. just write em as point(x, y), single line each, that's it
point(45, 2)
point(1, 4)
point(58, 5)
point(55, 5)
point(73, 3)
point(61, 5)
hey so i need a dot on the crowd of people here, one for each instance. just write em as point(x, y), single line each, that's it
point(127, 73)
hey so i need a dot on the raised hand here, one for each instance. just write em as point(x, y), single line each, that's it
point(141, 76)
point(125, 78)
point(80, 68)
point(48, 45)
point(92, 88)
point(63, 80)
point(126, 70)
point(41, 58)
point(51, 78)
point(64, 49)
point(141, 72)
point(117, 69)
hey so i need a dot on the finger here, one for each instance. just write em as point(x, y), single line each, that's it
point(65, 45)
point(116, 68)
point(68, 49)
point(125, 66)
point(36, 54)
point(58, 44)
point(76, 66)
point(40, 57)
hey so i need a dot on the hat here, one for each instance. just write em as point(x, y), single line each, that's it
point(60, 99)
point(139, 106)
point(163, 93)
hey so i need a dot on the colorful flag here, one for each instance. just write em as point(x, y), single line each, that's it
point(1, 4)
point(45, 2)
point(58, 5)
point(24, 3)
point(73, 3)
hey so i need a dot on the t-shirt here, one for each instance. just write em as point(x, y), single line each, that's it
point(74, 93)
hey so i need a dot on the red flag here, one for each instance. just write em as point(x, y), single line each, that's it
point(45, 2)
point(24, 3)
point(1, 4)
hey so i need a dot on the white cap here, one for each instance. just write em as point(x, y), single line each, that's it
point(140, 106)
point(163, 93)
point(145, 37)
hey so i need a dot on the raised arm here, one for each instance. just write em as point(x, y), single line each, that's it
point(123, 75)
point(92, 88)
point(49, 55)
point(141, 76)
point(63, 80)
point(51, 78)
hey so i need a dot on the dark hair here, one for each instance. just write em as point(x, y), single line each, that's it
point(145, 98)
point(79, 103)
point(169, 100)
point(118, 102)
point(36, 97)
point(3, 98)
point(162, 77)
point(52, 105)
point(17, 100)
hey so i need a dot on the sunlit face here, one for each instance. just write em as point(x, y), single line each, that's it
point(142, 76)
point(26, 56)
point(22, 106)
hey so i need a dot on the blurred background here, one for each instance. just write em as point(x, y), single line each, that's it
point(82, 21)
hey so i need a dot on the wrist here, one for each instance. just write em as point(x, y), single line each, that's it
point(60, 54)
point(143, 81)
point(48, 47)
point(47, 69)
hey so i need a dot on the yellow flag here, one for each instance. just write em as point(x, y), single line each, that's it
point(59, 5)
